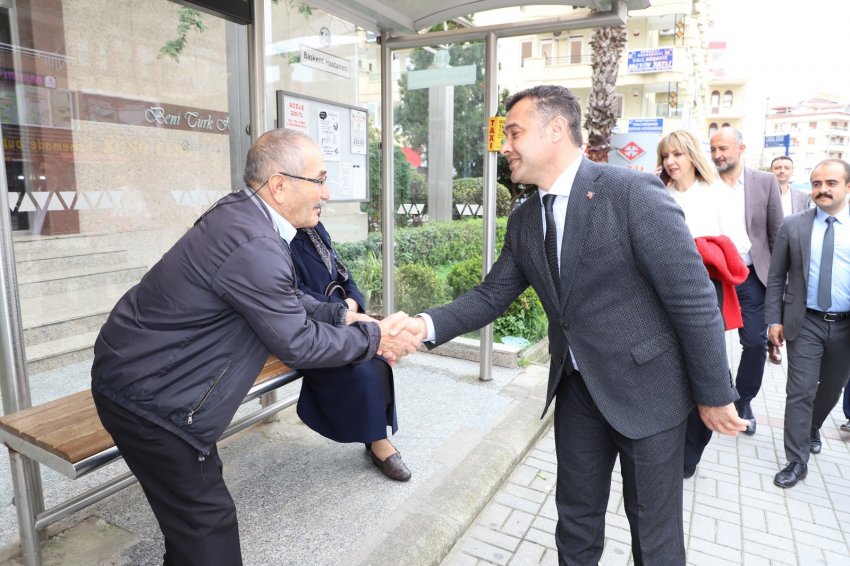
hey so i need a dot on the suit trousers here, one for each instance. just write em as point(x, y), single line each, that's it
point(185, 489)
point(753, 336)
point(818, 360)
point(587, 447)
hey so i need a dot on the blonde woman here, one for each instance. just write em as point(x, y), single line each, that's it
point(693, 183)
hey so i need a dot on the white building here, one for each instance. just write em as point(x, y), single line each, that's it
point(818, 128)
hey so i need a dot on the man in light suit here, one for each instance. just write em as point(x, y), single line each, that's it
point(812, 311)
point(793, 201)
point(635, 334)
point(756, 204)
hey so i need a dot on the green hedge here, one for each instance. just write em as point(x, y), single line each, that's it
point(435, 263)
point(525, 317)
point(435, 243)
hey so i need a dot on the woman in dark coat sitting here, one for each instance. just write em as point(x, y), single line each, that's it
point(354, 403)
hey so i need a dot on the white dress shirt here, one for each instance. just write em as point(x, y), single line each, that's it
point(737, 229)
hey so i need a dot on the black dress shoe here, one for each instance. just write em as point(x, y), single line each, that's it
point(793, 472)
point(393, 467)
point(846, 426)
point(690, 471)
point(746, 413)
point(814, 440)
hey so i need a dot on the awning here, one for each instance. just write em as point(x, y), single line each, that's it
point(409, 16)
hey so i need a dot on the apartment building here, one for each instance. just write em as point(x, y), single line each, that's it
point(817, 128)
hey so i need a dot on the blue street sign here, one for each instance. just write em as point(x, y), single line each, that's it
point(650, 60)
point(646, 125)
point(778, 141)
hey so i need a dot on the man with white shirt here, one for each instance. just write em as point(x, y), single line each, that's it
point(635, 334)
point(757, 209)
point(808, 304)
point(793, 200)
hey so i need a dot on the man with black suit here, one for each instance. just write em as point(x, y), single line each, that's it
point(793, 201)
point(757, 207)
point(808, 304)
point(635, 334)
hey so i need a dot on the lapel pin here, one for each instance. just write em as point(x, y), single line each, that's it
point(589, 195)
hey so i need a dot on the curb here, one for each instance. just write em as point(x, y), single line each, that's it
point(429, 525)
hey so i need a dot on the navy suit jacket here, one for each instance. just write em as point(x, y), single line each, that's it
point(636, 305)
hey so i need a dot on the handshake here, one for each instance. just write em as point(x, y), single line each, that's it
point(400, 334)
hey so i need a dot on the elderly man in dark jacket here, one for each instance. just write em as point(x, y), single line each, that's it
point(181, 349)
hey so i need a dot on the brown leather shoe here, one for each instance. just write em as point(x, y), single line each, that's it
point(392, 467)
point(774, 354)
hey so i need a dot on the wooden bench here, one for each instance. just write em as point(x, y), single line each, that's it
point(66, 435)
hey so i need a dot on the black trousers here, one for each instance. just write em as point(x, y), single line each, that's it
point(753, 336)
point(587, 447)
point(186, 490)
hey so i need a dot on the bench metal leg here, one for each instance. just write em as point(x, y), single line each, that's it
point(267, 400)
point(28, 503)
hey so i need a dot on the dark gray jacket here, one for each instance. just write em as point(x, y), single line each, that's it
point(182, 348)
point(635, 304)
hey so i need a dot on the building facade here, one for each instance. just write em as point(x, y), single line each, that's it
point(817, 129)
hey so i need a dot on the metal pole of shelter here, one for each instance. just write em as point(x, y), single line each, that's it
point(387, 175)
point(14, 384)
point(491, 108)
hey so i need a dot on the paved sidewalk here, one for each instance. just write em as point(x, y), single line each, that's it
point(733, 512)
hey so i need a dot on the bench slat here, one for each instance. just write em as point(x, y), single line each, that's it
point(46, 425)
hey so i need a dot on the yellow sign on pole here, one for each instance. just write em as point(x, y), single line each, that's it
point(496, 133)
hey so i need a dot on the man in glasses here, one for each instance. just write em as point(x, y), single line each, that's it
point(181, 349)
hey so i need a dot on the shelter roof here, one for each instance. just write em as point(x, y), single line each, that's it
point(410, 16)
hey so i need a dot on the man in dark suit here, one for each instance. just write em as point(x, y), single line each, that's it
point(793, 201)
point(181, 349)
point(808, 304)
point(634, 330)
point(757, 206)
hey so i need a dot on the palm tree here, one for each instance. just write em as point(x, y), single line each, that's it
point(607, 47)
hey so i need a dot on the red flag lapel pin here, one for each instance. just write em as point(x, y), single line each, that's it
point(589, 195)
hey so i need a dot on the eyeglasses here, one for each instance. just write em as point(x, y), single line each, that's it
point(321, 181)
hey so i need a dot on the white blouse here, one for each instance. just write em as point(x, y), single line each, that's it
point(706, 207)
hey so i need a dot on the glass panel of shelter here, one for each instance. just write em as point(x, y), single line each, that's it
point(115, 138)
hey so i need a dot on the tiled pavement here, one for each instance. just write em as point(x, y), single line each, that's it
point(733, 512)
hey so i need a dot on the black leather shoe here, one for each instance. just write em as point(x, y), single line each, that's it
point(846, 426)
point(793, 472)
point(392, 467)
point(690, 471)
point(746, 413)
point(815, 443)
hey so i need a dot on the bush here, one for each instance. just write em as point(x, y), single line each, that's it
point(470, 190)
point(525, 317)
point(463, 277)
point(418, 287)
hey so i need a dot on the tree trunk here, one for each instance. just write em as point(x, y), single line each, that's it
point(607, 47)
